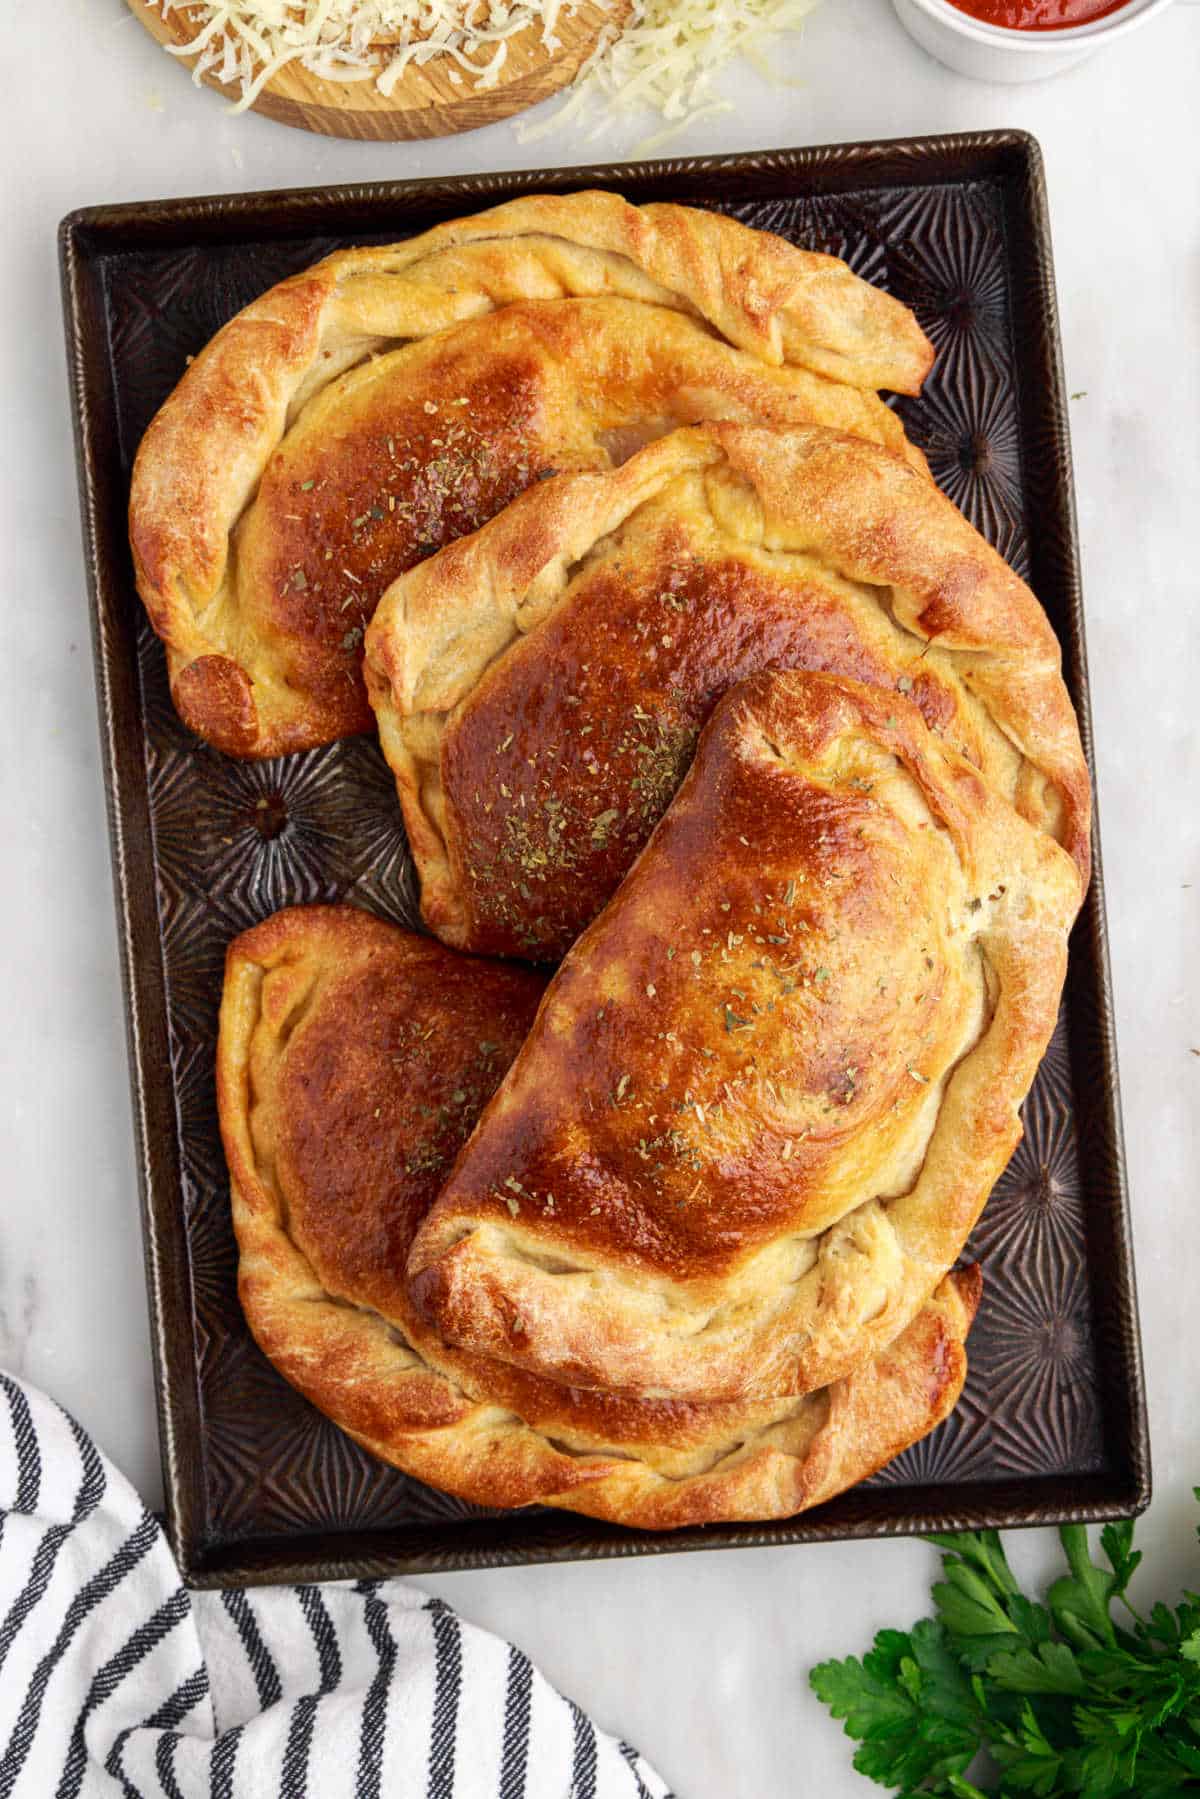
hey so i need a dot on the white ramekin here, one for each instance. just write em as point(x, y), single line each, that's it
point(994, 53)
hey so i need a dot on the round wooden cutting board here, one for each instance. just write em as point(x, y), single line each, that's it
point(425, 102)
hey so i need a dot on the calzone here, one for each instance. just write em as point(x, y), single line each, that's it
point(363, 413)
point(768, 1091)
point(354, 1059)
point(539, 685)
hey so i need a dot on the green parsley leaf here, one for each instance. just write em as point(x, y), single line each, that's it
point(1062, 1702)
point(1079, 1601)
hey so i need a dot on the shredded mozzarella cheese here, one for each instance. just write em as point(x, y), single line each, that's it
point(244, 43)
point(665, 61)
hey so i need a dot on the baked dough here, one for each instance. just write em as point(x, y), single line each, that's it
point(368, 410)
point(768, 1091)
point(539, 686)
point(353, 1059)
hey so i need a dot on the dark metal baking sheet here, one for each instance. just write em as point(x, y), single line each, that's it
point(1052, 1425)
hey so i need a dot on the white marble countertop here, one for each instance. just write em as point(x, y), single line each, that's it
point(700, 1659)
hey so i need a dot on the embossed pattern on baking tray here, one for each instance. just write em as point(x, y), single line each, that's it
point(235, 841)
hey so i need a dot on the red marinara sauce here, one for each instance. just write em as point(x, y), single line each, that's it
point(1038, 15)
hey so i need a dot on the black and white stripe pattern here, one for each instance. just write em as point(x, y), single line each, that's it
point(115, 1679)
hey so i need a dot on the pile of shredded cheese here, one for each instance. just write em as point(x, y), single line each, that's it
point(665, 61)
point(244, 43)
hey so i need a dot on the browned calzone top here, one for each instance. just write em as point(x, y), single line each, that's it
point(769, 1089)
point(353, 1061)
point(367, 411)
point(539, 686)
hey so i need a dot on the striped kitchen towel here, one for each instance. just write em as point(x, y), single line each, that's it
point(114, 1679)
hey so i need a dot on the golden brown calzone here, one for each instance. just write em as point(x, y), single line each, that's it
point(365, 412)
point(769, 1089)
point(354, 1058)
point(539, 686)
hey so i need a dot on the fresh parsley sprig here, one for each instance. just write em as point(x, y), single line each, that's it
point(1059, 1701)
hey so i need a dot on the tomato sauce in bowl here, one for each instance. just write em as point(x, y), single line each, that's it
point(1038, 15)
